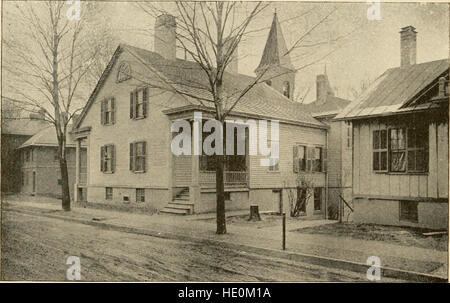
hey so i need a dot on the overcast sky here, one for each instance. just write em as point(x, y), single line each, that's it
point(366, 51)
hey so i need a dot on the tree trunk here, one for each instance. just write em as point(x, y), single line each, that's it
point(220, 195)
point(64, 184)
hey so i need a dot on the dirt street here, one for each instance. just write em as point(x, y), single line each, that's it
point(36, 248)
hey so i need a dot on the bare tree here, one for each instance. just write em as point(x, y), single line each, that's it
point(299, 193)
point(48, 57)
point(209, 34)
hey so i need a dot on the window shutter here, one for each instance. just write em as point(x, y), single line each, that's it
point(102, 112)
point(295, 159)
point(145, 101)
point(324, 159)
point(102, 157)
point(113, 158)
point(132, 156)
point(144, 150)
point(131, 105)
point(113, 110)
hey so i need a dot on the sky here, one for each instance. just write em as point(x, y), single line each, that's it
point(368, 47)
point(364, 50)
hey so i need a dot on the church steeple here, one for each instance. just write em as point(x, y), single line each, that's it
point(275, 51)
point(275, 67)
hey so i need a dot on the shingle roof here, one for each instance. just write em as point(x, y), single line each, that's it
point(261, 100)
point(46, 137)
point(330, 106)
point(394, 88)
point(23, 126)
point(275, 49)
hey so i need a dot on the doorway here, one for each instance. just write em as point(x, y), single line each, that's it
point(277, 206)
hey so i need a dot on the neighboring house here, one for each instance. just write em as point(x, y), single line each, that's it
point(15, 132)
point(400, 143)
point(325, 108)
point(126, 125)
point(39, 169)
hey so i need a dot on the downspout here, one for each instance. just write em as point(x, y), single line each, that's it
point(326, 178)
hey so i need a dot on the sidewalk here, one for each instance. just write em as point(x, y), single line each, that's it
point(405, 258)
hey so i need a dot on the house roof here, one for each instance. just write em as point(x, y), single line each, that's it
point(330, 106)
point(393, 89)
point(46, 137)
point(275, 51)
point(23, 126)
point(188, 77)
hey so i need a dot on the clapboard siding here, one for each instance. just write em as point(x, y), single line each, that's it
point(433, 184)
point(290, 135)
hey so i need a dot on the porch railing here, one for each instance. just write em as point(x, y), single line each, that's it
point(232, 178)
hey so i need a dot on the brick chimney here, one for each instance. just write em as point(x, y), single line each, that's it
point(323, 88)
point(408, 37)
point(165, 36)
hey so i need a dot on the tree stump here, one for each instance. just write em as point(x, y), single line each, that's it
point(254, 213)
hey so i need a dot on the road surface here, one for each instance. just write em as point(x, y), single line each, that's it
point(36, 248)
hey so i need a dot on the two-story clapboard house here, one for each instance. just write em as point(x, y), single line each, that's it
point(126, 126)
point(400, 143)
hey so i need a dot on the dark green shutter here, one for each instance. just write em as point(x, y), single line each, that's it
point(324, 159)
point(144, 150)
point(102, 157)
point(131, 105)
point(113, 110)
point(295, 159)
point(132, 156)
point(308, 159)
point(113, 158)
point(145, 101)
point(102, 112)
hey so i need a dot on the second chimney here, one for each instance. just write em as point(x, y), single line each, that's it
point(408, 37)
point(165, 36)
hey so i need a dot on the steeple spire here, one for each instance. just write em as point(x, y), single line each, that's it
point(275, 51)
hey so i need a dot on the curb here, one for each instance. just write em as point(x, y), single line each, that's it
point(288, 255)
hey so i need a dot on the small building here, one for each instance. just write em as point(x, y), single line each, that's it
point(15, 131)
point(339, 141)
point(126, 126)
point(39, 164)
point(400, 143)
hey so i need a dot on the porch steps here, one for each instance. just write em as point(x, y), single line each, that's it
point(180, 205)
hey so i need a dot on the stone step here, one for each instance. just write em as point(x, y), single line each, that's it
point(179, 206)
point(182, 201)
point(175, 211)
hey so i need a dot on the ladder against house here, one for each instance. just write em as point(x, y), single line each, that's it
point(180, 205)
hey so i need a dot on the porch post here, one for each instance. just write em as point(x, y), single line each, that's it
point(77, 168)
point(194, 188)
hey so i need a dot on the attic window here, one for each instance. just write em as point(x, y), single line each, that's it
point(124, 72)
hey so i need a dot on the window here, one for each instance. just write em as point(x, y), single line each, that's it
point(408, 211)
point(380, 150)
point(407, 150)
point(108, 193)
point(138, 103)
point(397, 138)
point(138, 156)
point(27, 155)
point(301, 198)
point(317, 198)
point(140, 195)
point(124, 72)
point(107, 158)
point(108, 115)
point(417, 148)
point(308, 158)
point(274, 163)
point(287, 89)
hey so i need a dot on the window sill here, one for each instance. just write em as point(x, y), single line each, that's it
point(401, 173)
point(107, 124)
point(139, 172)
point(138, 118)
point(108, 172)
